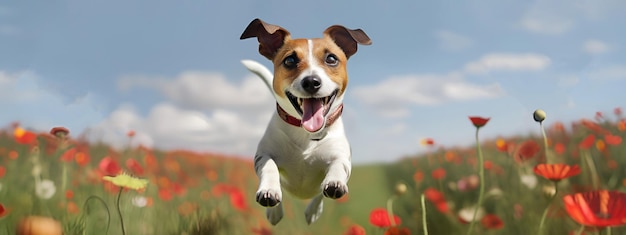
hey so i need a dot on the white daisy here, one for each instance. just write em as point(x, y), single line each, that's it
point(45, 189)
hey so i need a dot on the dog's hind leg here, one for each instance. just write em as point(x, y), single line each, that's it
point(274, 214)
point(314, 210)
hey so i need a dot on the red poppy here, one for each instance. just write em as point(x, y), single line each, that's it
point(439, 173)
point(617, 111)
point(3, 171)
point(68, 155)
point(178, 189)
point(434, 195)
point(355, 230)
point(379, 217)
point(81, 158)
point(478, 121)
point(418, 176)
point(108, 166)
point(134, 166)
point(488, 165)
point(556, 172)
point(59, 131)
point(237, 200)
point(165, 194)
point(502, 145)
point(23, 136)
point(3, 211)
point(587, 142)
point(130, 134)
point(527, 150)
point(601, 208)
point(559, 148)
point(612, 139)
point(397, 231)
point(592, 126)
point(492, 221)
point(69, 194)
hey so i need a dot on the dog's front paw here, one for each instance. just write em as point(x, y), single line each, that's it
point(268, 197)
point(335, 189)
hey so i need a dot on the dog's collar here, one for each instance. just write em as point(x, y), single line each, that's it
point(294, 121)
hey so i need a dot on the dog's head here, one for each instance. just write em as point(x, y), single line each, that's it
point(310, 75)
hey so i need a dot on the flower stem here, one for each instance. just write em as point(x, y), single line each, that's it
point(545, 141)
point(390, 211)
point(545, 212)
point(424, 214)
point(105, 207)
point(119, 211)
point(581, 230)
point(481, 175)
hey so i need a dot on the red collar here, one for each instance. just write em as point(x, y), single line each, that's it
point(298, 123)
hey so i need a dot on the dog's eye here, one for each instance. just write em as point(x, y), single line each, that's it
point(331, 59)
point(291, 61)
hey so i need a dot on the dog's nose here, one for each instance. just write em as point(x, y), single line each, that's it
point(311, 84)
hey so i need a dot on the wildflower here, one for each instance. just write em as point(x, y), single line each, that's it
point(81, 158)
point(556, 172)
point(237, 200)
point(501, 145)
point(355, 230)
point(601, 208)
point(600, 145)
point(466, 214)
point(418, 176)
point(3, 211)
point(130, 134)
point(379, 217)
point(109, 166)
point(527, 150)
point(492, 221)
point(439, 173)
point(72, 208)
point(478, 121)
point(266, 231)
point(587, 142)
point(68, 155)
point(165, 195)
point(559, 148)
point(60, 132)
point(529, 180)
point(539, 115)
point(612, 139)
point(134, 166)
point(45, 189)
point(397, 231)
point(139, 201)
point(617, 111)
point(127, 181)
point(3, 171)
point(69, 194)
point(13, 155)
point(23, 136)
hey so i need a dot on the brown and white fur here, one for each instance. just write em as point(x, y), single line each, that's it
point(308, 156)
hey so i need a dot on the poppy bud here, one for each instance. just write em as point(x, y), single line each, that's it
point(539, 115)
point(400, 188)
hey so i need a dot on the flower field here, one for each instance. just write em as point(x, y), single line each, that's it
point(567, 181)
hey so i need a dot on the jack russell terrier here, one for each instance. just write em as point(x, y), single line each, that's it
point(304, 148)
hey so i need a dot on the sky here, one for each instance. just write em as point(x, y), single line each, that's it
point(171, 71)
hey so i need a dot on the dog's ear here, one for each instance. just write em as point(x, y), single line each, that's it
point(347, 39)
point(271, 37)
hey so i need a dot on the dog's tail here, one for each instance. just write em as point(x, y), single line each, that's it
point(260, 70)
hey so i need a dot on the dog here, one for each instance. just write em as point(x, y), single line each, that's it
point(304, 149)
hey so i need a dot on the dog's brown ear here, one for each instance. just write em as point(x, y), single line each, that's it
point(271, 37)
point(347, 39)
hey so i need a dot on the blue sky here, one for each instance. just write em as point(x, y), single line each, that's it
point(170, 70)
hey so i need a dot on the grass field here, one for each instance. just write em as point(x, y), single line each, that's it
point(61, 177)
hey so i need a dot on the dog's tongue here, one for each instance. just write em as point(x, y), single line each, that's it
point(312, 114)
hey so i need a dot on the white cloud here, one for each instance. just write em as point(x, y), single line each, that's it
point(392, 97)
point(556, 17)
point(170, 127)
point(595, 47)
point(508, 62)
point(205, 91)
point(451, 41)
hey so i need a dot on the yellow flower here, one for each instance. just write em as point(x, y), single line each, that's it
point(127, 181)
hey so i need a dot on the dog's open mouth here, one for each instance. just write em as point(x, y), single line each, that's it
point(312, 110)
